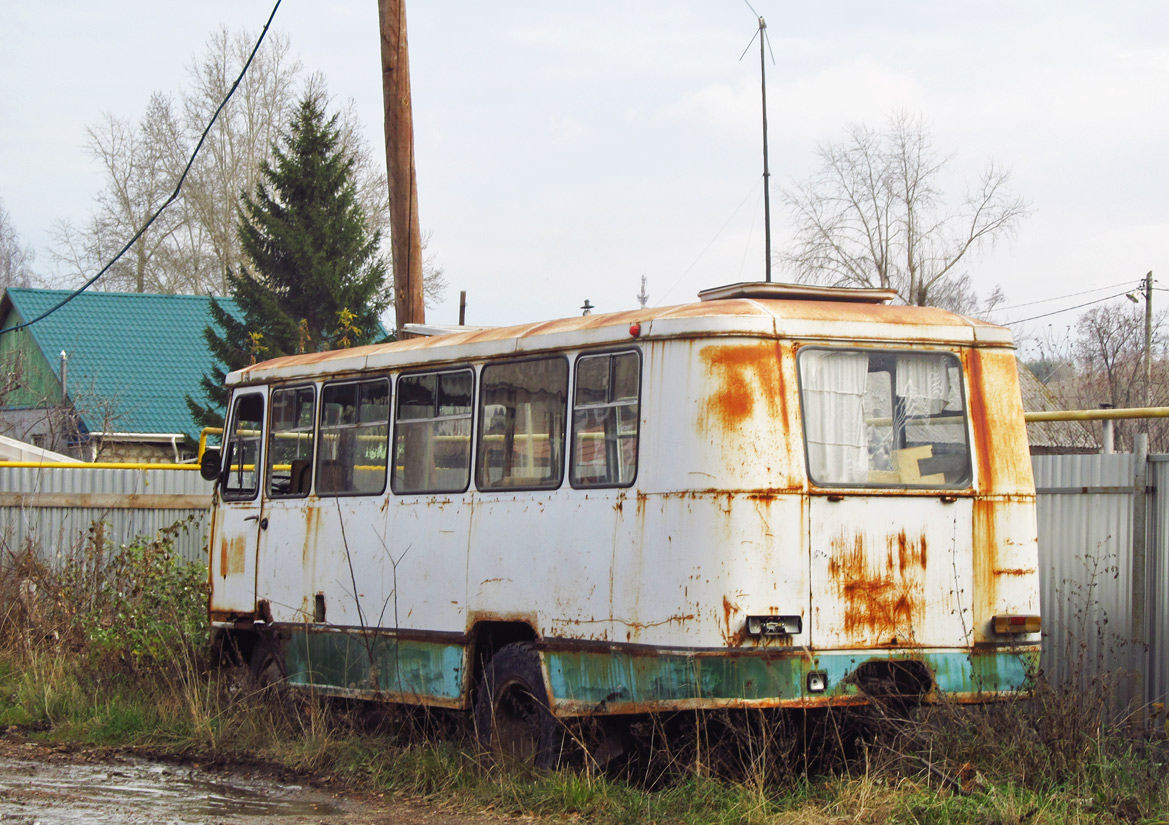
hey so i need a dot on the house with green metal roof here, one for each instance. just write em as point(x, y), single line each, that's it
point(107, 374)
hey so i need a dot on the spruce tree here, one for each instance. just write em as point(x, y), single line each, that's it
point(312, 278)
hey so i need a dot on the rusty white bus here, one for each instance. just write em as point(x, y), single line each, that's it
point(776, 496)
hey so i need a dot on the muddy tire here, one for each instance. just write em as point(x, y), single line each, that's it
point(267, 664)
point(512, 717)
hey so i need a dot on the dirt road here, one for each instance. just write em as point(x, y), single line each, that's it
point(70, 786)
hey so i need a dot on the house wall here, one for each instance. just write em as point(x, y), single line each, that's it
point(140, 452)
point(51, 429)
point(28, 379)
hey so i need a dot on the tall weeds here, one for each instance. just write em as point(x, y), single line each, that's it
point(110, 645)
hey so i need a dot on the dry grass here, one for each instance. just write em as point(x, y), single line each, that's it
point(89, 654)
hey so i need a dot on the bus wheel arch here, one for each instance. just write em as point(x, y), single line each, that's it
point(513, 720)
point(487, 637)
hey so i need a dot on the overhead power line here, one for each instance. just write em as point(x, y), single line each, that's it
point(1066, 309)
point(173, 196)
point(1062, 297)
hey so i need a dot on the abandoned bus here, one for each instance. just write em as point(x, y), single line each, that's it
point(777, 496)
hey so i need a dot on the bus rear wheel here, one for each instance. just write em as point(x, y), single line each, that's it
point(512, 716)
point(267, 663)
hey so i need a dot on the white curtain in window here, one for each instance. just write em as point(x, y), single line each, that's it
point(924, 382)
point(834, 422)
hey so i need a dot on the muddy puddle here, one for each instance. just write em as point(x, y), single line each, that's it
point(124, 789)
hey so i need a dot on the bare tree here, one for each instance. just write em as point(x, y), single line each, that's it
point(190, 247)
point(243, 136)
point(15, 255)
point(1105, 365)
point(194, 243)
point(140, 163)
point(875, 215)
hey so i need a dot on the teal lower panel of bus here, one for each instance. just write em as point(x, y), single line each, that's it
point(619, 681)
point(365, 664)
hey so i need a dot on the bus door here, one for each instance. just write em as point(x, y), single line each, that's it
point(891, 510)
point(240, 519)
point(891, 571)
point(289, 539)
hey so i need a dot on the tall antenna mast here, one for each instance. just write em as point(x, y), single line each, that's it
point(766, 171)
point(762, 35)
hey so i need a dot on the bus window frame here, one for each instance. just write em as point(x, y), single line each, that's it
point(270, 434)
point(230, 442)
point(572, 408)
point(480, 444)
point(468, 368)
point(965, 483)
point(320, 433)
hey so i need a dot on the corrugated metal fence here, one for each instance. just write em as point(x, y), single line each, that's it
point(1085, 505)
point(53, 508)
point(1091, 578)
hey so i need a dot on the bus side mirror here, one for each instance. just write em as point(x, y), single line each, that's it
point(209, 464)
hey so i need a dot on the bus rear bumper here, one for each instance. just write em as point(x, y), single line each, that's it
point(621, 680)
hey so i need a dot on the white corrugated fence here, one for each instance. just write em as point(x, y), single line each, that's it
point(53, 508)
point(1086, 548)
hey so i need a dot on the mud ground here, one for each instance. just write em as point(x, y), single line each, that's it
point(65, 785)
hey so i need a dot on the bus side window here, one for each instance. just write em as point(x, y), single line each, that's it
point(244, 437)
point(522, 411)
point(605, 419)
point(432, 433)
point(290, 442)
point(354, 436)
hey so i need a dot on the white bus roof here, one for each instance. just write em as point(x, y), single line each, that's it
point(755, 310)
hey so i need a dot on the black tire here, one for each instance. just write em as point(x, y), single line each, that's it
point(267, 663)
point(512, 717)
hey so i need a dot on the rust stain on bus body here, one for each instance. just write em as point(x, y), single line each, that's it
point(882, 597)
point(1003, 480)
point(311, 525)
point(731, 637)
point(983, 429)
point(985, 562)
point(996, 416)
point(232, 559)
point(741, 375)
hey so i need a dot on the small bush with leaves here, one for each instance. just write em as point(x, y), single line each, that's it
point(132, 608)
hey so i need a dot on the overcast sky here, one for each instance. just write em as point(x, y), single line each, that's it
point(566, 150)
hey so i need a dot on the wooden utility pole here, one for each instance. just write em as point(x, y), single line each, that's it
point(405, 236)
point(1149, 339)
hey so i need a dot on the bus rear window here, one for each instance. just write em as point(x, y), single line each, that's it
point(878, 418)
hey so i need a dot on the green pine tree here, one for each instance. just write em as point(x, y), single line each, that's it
point(313, 278)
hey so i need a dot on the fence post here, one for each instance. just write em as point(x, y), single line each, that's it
point(1139, 556)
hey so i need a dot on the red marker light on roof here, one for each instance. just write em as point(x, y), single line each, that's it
point(635, 329)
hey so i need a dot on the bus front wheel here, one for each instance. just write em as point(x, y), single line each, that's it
point(512, 716)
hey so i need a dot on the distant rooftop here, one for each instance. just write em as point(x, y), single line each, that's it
point(143, 354)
